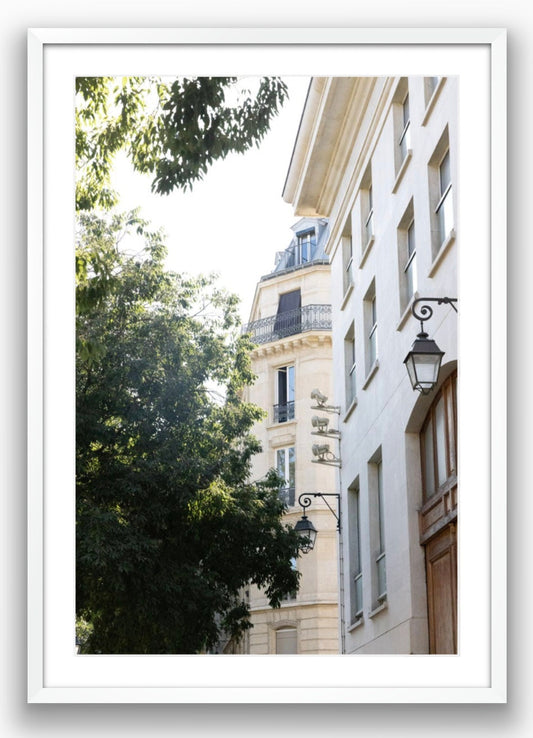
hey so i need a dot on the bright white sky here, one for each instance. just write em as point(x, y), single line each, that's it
point(234, 221)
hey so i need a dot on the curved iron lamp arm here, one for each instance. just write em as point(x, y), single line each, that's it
point(426, 312)
point(305, 501)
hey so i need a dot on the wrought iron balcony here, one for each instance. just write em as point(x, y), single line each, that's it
point(287, 495)
point(283, 413)
point(307, 318)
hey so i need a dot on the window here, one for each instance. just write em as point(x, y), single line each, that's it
point(289, 315)
point(286, 468)
point(444, 207)
point(407, 256)
point(441, 195)
point(401, 118)
point(286, 641)
point(405, 136)
point(371, 328)
point(284, 407)
point(302, 251)
point(349, 364)
point(292, 595)
point(438, 440)
point(347, 261)
point(366, 196)
point(372, 334)
point(356, 574)
point(305, 250)
point(375, 474)
point(369, 221)
point(380, 560)
point(430, 85)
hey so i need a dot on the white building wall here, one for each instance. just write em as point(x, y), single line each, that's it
point(388, 413)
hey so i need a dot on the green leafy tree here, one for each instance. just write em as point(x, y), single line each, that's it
point(172, 129)
point(169, 526)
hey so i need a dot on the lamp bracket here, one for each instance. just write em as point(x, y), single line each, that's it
point(305, 501)
point(330, 433)
point(327, 408)
point(426, 312)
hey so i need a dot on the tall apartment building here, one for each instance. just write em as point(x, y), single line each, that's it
point(377, 157)
point(290, 322)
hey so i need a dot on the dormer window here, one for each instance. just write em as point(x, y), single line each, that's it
point(305, 247)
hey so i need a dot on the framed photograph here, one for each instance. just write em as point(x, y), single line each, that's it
point(474, 669)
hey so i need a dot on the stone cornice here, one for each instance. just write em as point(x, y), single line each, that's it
point(285, 345)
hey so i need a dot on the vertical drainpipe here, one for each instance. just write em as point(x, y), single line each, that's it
point(341, 571)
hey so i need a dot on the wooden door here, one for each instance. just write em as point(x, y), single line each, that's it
point(441, 571)
point(438, 517)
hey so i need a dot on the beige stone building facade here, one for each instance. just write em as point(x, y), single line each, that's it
point(377, 157)
point(290, 322)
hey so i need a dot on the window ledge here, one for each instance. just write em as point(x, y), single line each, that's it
point(402, 169)
point(356, 624)
point(366, 251)
point(433, 100)
point(350, 409)
point(347, 294)
point(450, 239)
point(407, 312)
point(286, 424)
point(383, 605)
point(371, 373)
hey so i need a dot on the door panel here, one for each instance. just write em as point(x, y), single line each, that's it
point(441, 568)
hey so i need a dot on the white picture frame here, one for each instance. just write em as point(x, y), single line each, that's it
point(55, 673)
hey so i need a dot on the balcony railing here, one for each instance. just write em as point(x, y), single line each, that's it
point(307, 318)
point(287, 495)
point(283, 413)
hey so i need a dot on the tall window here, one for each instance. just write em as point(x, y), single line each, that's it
point(356, 574)
point(375, 471)
point(407, 256)
point(373, 332)
point(441, 194)
point(410, 265)
point(306, 247)
point(289, 315)
point(284, 407)
point(286, 468)
point(292, 595)
point(367, 210)
point(369, 221)
point(349, 365)
point(347, 262)
point(444, 207)
point(430, 85)
point(439, 441)
point(371, 327)
point(405, 136)
point(401, 128)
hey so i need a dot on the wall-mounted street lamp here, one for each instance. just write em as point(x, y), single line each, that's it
point(322, 428)
point(305, 528)
point(324, 455)
point(321, 400)
point(424, 359)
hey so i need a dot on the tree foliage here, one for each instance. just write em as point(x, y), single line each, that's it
point(172, 129)
point(169, 527)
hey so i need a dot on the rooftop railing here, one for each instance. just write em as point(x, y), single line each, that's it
point(275, 327)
